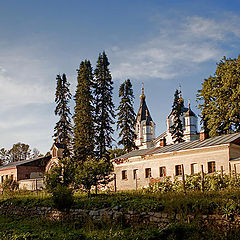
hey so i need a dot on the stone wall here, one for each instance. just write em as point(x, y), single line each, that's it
point(160, 219)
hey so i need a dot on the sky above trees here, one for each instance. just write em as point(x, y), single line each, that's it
point(162, 43)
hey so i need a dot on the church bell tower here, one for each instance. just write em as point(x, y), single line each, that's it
point(144, 127)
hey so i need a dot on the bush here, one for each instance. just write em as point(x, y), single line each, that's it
point(9, 185)
point(62, 197)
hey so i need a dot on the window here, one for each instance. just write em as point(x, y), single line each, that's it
point(178, 170)
point(54, 152)
point(124, 174)
point(134, 173)
point(193, 168)
point(148, 172)
point(12, 176)
point(211, 167)
point(162, 171)
point(6, 176)
point(27, 176)
point(1, 179)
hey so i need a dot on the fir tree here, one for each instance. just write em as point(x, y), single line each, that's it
point(83, 143)
point(104, 107)
point(63, 128)
point(177, 129)
point(126, 116)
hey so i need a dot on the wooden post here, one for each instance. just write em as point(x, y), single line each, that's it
point(183, 180)
point(36, 187)
point(115, 182)
point(230, 170)
point(136, 180)
point(202, 177)
point(222, 172)
point(235, 171)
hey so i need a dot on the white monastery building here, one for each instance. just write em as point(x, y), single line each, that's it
point(159, 157)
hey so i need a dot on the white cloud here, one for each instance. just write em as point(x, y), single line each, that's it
point(24, 79)
point(179, 48)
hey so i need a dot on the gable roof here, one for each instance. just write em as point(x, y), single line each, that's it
point(25, 162)
point(218, 140)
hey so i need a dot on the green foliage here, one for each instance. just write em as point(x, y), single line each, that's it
point(212, 182)
point(162, 186)
point(176, 128)
point(93, 172)
point(63, 128)
point(62, 197)
point(83, 117)
point(104, 107)
point(113, 153)
point(9, 185)
point(219, 98)
point(126, 116)
point(19, 151)
point(62, 174)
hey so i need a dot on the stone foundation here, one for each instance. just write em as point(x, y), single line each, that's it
point(160, 219)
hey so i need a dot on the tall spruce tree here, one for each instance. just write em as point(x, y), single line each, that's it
point(177, 128)
point(83, 143)
point(126, 116)
point(63, 128)
point(104, 107)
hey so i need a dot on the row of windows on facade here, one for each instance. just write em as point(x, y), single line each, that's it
point(5, 177)
point(162, 170)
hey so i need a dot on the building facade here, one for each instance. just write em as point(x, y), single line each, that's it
point(159, 157)
point(139, 168)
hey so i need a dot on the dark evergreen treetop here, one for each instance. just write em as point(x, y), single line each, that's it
point(177, 128)
point(104, 107)
point(219, 98)
point(126, 116)
point(63, 128)
point(83, 143)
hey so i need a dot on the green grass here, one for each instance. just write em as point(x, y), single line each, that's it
point(28, 229)
point(191, 203)
point(225, 202)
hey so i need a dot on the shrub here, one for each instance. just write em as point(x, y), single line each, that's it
point(9, 185)
point(62, 197)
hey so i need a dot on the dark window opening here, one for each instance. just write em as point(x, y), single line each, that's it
point(148, 173)
point(211, 167)
point(178, 170)
point(134, 173)
point(124, 174)
point(27, 176)
point(162, 171)
point(193, 168)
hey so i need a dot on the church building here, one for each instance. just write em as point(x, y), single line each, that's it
point(145, 126)
point(159, 157)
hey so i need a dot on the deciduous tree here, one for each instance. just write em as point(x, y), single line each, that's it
point(19, 152)
point(219, 98)
point(93, 172)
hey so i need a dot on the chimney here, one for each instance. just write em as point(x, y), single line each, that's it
point(163, 142)
point(203, 135)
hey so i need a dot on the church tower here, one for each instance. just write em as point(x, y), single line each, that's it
point(190, 131)
point(144, 127)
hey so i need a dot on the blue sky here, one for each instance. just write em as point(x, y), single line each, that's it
point(162, 43)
